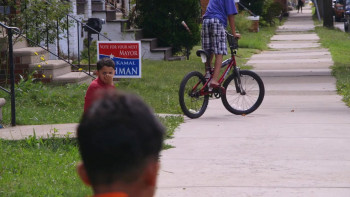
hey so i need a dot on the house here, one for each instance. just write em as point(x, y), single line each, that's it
point(54, 62)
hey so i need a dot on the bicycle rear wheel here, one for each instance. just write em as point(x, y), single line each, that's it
point(245, 103)
point(192, 103)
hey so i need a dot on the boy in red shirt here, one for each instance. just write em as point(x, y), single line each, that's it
point(105, 72)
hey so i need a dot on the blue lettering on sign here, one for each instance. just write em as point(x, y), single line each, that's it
point(125, 67)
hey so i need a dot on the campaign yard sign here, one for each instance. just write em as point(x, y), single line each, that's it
point(125, 54)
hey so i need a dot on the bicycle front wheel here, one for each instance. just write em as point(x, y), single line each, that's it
point(192, 103)
point(248, 101)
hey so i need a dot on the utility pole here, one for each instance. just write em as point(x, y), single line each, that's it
point(327, 15)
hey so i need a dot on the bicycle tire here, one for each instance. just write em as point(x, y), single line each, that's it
point(192, 104)
point(243, 104)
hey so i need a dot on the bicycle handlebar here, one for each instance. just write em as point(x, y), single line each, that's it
point(232, 41)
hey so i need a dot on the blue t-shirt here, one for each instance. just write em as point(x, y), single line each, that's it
point(220, 9)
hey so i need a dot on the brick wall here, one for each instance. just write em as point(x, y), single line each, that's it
point(21, 68)
point(204, 4)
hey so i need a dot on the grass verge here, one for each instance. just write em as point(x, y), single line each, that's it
point(338, 43)
point(37, 167)
point(44, 104)
point(46, 167)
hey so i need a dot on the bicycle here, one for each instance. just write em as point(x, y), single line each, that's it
point(243, 89)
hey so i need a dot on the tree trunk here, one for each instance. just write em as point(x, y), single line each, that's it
point(327, 15)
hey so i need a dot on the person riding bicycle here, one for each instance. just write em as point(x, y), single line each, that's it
point(213, 32)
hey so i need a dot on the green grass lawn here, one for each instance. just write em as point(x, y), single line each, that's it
point(36, 167)
point(338, 43)
point(45, 104)
point(39, 167)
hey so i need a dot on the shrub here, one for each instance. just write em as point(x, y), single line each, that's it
point(38, 18)
point(255, 6)
point(85, 52)
point(267, 9)
point(162, 19)
point(243, 24)
point(271, 11)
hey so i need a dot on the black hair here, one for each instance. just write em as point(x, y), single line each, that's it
point(105, 62)
point(117, 137)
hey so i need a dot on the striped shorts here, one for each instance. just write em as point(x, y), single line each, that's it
point(214, 36)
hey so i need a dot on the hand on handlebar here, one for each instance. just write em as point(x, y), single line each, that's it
point(237, 35)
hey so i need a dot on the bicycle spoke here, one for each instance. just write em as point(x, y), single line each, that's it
point(192, 103)
point(238, 103)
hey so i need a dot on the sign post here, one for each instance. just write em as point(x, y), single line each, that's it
point(125, 54)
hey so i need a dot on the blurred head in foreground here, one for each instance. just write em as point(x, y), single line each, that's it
point(120, 140)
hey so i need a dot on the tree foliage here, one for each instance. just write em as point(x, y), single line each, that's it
point(40, 20)
point(267, 9)
point(271, 10)
point(162, 19)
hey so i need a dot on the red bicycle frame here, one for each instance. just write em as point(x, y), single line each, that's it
point(204, 91)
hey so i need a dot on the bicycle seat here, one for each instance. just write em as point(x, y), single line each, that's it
point(203, 54)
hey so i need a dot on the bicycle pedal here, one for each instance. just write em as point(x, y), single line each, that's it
point(217, 95)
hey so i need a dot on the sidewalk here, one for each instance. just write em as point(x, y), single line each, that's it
point(24, 131)
point(296, 144)
point(21, 132)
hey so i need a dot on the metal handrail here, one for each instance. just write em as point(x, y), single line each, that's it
point(246, 9)
point(11, 59)
point(85, 25)
point(79, 23)
point(89, 34)
point(55, 55)
point(108, 2)
point(12, 73)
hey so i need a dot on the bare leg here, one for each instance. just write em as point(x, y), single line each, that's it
point(218, 62)
point(211, 58)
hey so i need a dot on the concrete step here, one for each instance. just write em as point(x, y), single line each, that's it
point(97, 6)
point(28, 55)
point(300, 84)
point(294, 32)
point(295, 29)
point(291, 66)
point(166, 50)
point(119, 15)
point(152, 52)
point(291, 55)
point(18, 43)
point(52, 68)
point(300, 51)
point(153, 42)
point(293, 44)
point(298, 37)
point(293, 72)
point(291, 61)
point(111, 15)
point(73, 77)
point(137, 32)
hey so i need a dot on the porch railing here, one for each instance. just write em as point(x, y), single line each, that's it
point(12, 74)
point(80, 27)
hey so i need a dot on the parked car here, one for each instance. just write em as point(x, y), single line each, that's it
point(347, 16)
point(338, 10)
